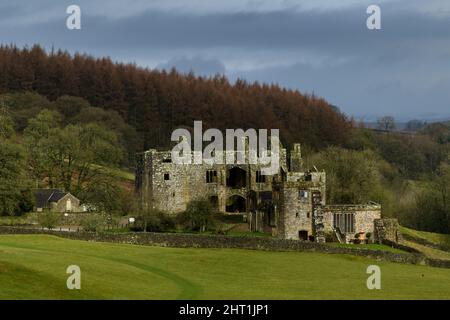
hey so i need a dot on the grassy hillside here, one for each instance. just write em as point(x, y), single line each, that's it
point(122, 177)
point(428, 251)
point(427, 248)
point(436, 238)
point(33, 267)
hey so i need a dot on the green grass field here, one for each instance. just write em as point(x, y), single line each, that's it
point(372, 246)
point(34, 267)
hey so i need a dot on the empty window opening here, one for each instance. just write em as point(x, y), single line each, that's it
point(345, 222)
point(303, 235)
point(166, 176)
point(260, 178)
point(303, 194)
point(211, 176)
point(236, 178)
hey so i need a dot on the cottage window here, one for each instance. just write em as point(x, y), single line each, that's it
point(344, 221)
point(211, 176)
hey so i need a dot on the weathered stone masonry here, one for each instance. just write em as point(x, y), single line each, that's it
point(291, 204)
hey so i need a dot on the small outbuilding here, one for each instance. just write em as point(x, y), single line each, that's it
point(56, 200)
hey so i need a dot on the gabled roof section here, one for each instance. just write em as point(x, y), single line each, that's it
point(56, 196)
point(44, 197)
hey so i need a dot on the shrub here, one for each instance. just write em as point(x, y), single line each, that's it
point(93, 223)
point(199, 216)
point(166, 222)
point(48, 219)
point(152, 220)
point(15, 221)
point(329, 237)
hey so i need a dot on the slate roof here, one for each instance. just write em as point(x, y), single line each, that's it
point(56, 196)
point(44, 197)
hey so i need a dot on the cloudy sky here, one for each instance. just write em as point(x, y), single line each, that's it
point(320, 46)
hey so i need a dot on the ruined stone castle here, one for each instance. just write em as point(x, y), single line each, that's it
point(290, 204)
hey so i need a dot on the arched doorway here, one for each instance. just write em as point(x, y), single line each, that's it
point(236, 178)
point(236, 204)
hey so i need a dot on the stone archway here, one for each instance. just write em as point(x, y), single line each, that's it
point(236, 204)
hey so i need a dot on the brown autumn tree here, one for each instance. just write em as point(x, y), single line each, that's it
point(155, 102)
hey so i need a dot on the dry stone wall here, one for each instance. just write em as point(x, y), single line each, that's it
point(217, 241)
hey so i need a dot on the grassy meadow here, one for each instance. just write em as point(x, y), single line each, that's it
point(34, 267)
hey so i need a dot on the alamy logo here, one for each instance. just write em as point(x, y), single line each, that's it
point(374, 280)
point(251, 147)
point(73, 21)
point(374, 20)
point(74, 280)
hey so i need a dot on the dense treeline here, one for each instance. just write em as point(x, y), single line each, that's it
point(408, 174)
point(15, 187)
point(54, 152)
point(23, 107)
point(414, 156)
point(155, 102)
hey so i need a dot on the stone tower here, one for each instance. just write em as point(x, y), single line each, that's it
point(296, 161)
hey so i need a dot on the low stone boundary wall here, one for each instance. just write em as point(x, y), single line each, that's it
point(438, 263)
point(229, 242)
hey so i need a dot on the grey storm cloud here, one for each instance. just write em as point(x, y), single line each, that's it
point(307, 45)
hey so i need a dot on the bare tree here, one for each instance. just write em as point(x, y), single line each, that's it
point(386, 123)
